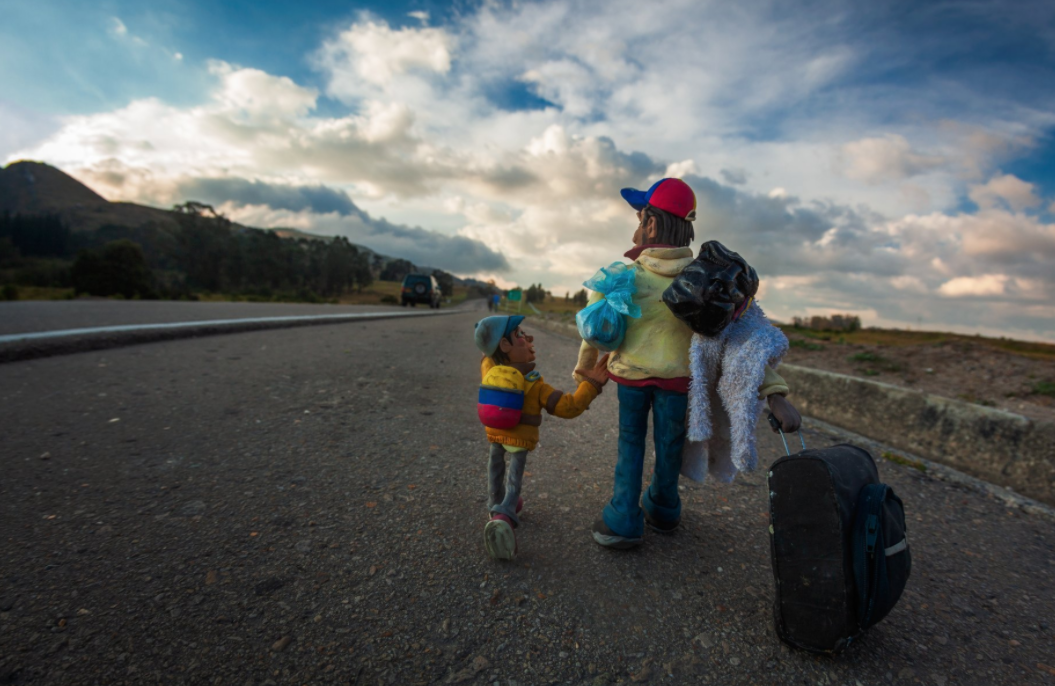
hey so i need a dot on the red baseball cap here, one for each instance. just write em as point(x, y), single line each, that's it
point(669, 195)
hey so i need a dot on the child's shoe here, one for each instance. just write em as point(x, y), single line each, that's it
point(499, 539)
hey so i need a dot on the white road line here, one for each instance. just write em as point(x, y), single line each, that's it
point(10, 338)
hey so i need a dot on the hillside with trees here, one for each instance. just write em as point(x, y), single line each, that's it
point(57, 233)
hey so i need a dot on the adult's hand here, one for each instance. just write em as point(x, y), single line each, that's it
point(599, 374)
point(789, 418)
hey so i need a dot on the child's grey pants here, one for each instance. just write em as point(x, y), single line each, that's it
point(503, 487)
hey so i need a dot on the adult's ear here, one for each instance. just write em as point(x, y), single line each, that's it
point(651, 230)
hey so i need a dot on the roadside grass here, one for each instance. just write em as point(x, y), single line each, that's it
point(281, 297)
point(805, 345)
point(379, 293)
point(971, 398)
point(902, 460)
point(876, 364)
point(1044, 388)
point(41, 293)
point(899, 338)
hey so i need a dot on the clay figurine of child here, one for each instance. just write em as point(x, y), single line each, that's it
point(508, 369)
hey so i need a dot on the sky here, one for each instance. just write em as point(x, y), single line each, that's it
point(893, 160)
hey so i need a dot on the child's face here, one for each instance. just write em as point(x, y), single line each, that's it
point(521, 350)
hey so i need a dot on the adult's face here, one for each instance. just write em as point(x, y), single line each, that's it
point(646, 231)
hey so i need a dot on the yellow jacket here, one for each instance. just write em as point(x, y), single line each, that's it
point(657, 344)
point(538, 395)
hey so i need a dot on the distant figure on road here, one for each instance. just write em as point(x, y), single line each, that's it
point(492, 302)
point(651, 368)
point(512, 397)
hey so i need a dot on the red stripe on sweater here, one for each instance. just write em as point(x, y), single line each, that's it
point(678, 384)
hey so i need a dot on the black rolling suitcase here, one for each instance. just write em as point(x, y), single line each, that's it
point(839, 546)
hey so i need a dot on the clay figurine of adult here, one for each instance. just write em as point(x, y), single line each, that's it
point(509, 362)
point(651, 370)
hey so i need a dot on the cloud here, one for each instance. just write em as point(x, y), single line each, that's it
point(117, 27)
point(241, 192)
point(734, 177)
point(119, 31)
point(252, 121)
point(875, 160)
point(1006, 190)
point(988, 284)
point(778, 234)
point(458, 254)
point(374, 52)
point(977, 150)
point(254, 96)
point(332, 212)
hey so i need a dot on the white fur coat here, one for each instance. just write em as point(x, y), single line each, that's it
point(727, 371)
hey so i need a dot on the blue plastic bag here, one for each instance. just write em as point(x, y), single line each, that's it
point(603, 324)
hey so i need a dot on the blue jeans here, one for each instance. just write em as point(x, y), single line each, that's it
point(623, 515)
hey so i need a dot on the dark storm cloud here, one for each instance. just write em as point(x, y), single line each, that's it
point(421, 246)
point(318, 199)
point(511, 178)
point(780, 236)
point(452, 253)
point(734, 177)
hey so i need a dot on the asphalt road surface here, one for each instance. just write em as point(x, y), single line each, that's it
point(307, 505)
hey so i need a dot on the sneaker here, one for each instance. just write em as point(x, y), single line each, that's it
point(609, 539)
point(661, 527)
point(499, 539)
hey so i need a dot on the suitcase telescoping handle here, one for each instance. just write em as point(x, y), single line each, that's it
point(775, 423)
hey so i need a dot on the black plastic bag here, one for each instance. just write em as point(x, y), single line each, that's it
point(707, 294)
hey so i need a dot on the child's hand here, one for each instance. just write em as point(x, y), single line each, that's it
point(599, 374)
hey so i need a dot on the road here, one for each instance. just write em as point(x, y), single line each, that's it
point(31, 316)
point(306, 506)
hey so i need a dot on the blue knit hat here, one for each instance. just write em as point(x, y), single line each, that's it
point(491, 330)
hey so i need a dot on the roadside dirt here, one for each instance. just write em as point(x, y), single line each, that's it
point(963, 369)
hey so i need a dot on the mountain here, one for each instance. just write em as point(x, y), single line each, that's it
point(28, 187)
point(38, 188)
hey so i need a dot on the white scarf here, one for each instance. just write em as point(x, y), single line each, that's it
point(727, 371)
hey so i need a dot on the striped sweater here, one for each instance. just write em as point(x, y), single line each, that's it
point(538, 396)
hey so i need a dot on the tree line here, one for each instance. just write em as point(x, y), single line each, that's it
point(204, 252)
point(214, 256)
point(836, 322)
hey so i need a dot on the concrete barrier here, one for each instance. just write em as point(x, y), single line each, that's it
point(1000, 447)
